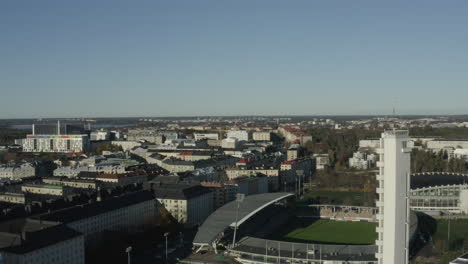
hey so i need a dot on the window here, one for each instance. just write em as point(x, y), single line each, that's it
point(51, 144)
point(68, 144)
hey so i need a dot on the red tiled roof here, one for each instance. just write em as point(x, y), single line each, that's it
point(246, 160)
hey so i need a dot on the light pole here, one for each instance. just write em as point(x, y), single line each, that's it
point(165, 235)
point(239, 199)
point(127, 250)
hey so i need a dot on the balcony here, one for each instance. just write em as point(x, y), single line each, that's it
point(406, 150)
point(379, 242)
point(379, 230)
point(380, 177)
point(379, 216)
point(380, 151)
point(380, 164)
point(379, 190)
point(379, 203)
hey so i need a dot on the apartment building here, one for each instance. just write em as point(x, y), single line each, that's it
point(261, 136)
point(209, 136)
point(189, 204)
point(294, 134)
point(240, 135)
point(56, 143)
point(68, 171)
point(42, 244)
point(12, 197)
point(271, 173)
point(47, 189)
point(14, 172)
point(74, 183)
point(126, 213)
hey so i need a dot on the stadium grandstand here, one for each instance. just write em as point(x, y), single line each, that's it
point(218, 227)
point(439, 193)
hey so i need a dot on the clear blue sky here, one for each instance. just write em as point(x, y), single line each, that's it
point(97, 58)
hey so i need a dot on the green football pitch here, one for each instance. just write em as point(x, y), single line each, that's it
point(329, 232)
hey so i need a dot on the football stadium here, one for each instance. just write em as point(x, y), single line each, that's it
point(271, 229)
point(438, 193)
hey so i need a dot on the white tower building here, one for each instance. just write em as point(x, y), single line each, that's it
point(393, 203)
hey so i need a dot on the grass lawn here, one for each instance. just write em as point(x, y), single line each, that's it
point(458, 231)
point(330, 232)
point(442, 250)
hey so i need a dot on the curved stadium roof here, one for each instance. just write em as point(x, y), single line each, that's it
point(225, 216)
point(431, 179)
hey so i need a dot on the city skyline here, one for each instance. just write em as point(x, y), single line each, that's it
point(212, 58)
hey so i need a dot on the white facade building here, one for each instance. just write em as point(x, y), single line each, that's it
point(229, 143)
point(369, 143)
point(438, 145)
point(70, 172)
point(17, 171)
point(56, 143)
point(362, 160)
point(393, 203)
point(99, 135)
point(261, 136)
point(241, 135)
point(322, 161)
point(461, 154)
point(200, 136)
point(190, 205)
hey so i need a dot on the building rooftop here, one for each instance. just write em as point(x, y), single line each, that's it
point(178, 191)
point(47, 186)
point(36, 239)
point(431, 179)
point(83, 211)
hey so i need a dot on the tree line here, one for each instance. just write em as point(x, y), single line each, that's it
point(428, 161)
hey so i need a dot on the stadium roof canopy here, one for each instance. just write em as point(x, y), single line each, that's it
point(225, 216)
point(432, 179)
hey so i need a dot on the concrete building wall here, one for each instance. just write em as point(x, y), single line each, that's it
point(15, 198)
point(199, 208)
point(190, 211)
point(210, 136)
point(369, 143)
point(261, 136)
point(127, 219)
point(393, 217)
point(69, 251)
point(240, 135)
point(464, 201)
point(437, 145)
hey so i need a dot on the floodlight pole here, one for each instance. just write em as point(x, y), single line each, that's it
point(279, 252)
point(127, 250)
point(239, 199)
point(448, 234)
point(166, 235)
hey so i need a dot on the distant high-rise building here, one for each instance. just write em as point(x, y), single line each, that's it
point(393, 203)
